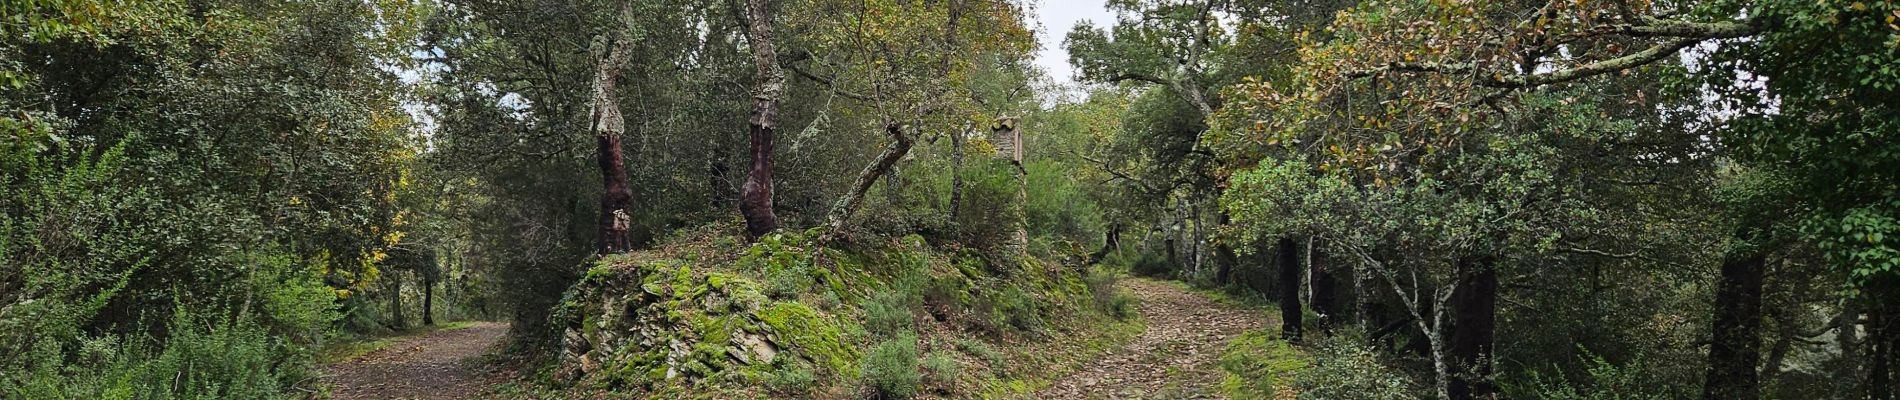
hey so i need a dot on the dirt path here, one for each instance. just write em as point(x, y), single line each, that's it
point(1173, 359)
point(429, 366)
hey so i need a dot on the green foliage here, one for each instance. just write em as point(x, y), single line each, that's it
point(1607, 381)
point(1258, 365)
point(1018, 309)
point(990, 213)
point(1343, 367)
point(203, 358)
point(940, 372)
point(1109, 299)
point(982, 351)
point(890, 312)
point(890, 367)
point(1141, 263)
point(794, 379)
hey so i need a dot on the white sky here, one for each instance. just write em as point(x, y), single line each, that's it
point(1056, 17)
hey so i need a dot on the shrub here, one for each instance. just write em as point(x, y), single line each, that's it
point(988, 216)
point(982, 351)
point(224, 360)
point(787, 283)
point(891, 368)
point(1018, 309)
point(892, 311)
point(1108, 298)
point(1607, 381)
point(1257, 363)
point(791, 379)
point(1344, 367)
point(1141, 263)
point(940, 372)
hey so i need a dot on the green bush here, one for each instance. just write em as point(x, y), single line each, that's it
point(1257, 362)
point(1018, 309)
point(982, 351)
point(892, 311)
point(940, 372)
point(891, 368)
point(1607, 381)
point(1109, 299)
point(988, 216)
point(1141, 263)
point(1344, 367)
point(205, 358)
point(791, 379)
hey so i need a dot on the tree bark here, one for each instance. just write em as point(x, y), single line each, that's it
point(956, 173)
point(1325, 298)
point(1224, 257)
point(1111, 240)
point(428, 301)
point(396, 321)
point(1290, 311)
point(608, 128)
point(841, 212)
point(1883, 335)
point(755, 198)
point(1473, 331)
point(1736, 346)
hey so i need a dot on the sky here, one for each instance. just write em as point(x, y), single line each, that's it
point(1056, 17)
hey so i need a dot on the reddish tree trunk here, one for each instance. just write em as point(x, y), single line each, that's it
point(608, 127)
point(755, 199)
point(1474, 307)
point(1736, 346)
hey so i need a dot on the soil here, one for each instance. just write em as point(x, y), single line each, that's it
point(435, 365)
point(1173, 359)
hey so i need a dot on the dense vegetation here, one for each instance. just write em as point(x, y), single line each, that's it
point(1441, 199)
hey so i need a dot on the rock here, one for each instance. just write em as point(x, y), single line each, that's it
point(762, 349)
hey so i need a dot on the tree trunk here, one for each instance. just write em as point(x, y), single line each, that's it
point(755, 199)
point(1474, 326)
point(1736, 346)
point(841, 212)
point(396, 321)
point(608, 128)
point(1325, 300)
point(956, 173)
point(1111, 240)
point(1846, 335)
point(1224, 257)
point(428, 301)
point(1290, 312)
point(1883, 335)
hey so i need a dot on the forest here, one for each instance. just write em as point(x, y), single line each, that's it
point(891, 199)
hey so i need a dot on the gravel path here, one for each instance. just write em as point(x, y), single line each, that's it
point(429, 366)
point(1173, 359)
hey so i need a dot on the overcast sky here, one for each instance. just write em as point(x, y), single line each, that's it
point(1056, 18)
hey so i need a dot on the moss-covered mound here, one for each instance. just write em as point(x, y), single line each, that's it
point(706, 315)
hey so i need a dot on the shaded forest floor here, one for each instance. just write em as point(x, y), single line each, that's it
point(1173, 359)
point(440, 364)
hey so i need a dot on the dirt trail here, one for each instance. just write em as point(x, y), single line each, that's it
point(429, 366)
point(1173, 359)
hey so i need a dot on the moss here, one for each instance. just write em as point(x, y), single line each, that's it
point(798, 327)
